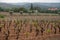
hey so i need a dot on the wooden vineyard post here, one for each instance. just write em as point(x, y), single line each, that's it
point(37, 32)
point(0, 29)
point(30, 28)
point(59, 28)
point(7, 34)
point(17, 32)
point(54, 30)
point(1, 25)
point(42, 30)
point(10, 22)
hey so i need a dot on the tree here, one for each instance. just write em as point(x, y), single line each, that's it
point(22, 9)
point(7, 10)
point(31, 7)
point(11, 13)
point(1, 9)
point(15, 9)
point(59, 13)
point(21, 12)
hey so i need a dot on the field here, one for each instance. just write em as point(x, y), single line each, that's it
point(29, 27)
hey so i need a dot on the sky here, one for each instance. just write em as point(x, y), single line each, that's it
point(19, 1)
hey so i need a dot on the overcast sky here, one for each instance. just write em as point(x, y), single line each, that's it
point(19, 1)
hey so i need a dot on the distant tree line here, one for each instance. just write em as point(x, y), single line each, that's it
point(25, 10)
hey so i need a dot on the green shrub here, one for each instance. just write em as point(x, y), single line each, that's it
point(2, 16)
point(27, 34)
point(48, 30)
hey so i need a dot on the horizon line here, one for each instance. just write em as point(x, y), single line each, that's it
point(31, 2)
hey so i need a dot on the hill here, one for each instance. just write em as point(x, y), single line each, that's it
point(27, 5)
